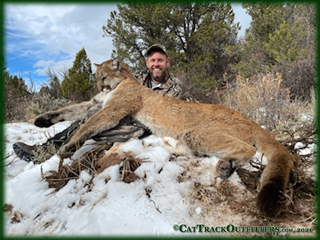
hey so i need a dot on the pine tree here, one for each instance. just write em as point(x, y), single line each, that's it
point(78, 83)
point(273, 38)
point(16, 97)
point(194, 34)
point(15, 85)
point(282, 45)
point(54, 85)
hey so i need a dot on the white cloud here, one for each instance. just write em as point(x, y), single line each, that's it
point(41, 67)
point(52, 34)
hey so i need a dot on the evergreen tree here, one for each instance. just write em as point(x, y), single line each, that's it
point(281, 38)
point(15, 86)
point(282, 45)
point(273, 38)
point(194, 34)
point(78, 83)
point(54, 85)
point(16, 97)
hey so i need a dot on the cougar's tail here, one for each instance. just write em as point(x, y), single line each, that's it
point(276, 174)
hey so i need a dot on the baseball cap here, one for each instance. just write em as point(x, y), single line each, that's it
point(156, 47)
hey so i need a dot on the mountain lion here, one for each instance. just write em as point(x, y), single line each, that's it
point(206, 129)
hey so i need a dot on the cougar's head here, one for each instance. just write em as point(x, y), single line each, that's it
point(110, 73)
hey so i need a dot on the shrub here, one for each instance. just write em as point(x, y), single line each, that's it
point(192, 93)
point(263, 99)
point(16, 108)
point(299, 77)
point(43, 102)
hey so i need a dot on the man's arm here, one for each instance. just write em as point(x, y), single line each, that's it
point(174, 89)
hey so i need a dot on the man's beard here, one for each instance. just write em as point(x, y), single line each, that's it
point(159, 76)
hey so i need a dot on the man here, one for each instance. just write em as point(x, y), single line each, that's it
point(156, 77)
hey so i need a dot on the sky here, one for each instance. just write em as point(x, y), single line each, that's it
point(39, 37)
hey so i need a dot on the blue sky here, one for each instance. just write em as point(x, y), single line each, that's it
point(39, 37)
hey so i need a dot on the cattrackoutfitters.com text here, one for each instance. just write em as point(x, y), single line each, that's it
point(200, 228)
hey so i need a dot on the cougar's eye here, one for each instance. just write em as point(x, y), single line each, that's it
point(106, 88)
point(104, 78)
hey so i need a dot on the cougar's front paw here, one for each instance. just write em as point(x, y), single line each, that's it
point(44, 120)
point(66, 151)
point(224, 168)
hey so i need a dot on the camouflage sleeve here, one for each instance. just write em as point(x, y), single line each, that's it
point(175, 89)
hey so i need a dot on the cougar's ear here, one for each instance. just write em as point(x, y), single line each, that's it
point(116, 64)
point(96, 64)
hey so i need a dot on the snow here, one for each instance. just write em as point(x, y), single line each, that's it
point(165, 194)
point(112, 208)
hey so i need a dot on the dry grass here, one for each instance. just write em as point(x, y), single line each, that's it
point(41, 155)
point(95, 161)
point(262, 99)
point(58, 179)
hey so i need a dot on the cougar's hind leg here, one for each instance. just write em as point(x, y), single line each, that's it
point(235, 152)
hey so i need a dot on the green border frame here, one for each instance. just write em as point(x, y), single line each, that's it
point(2, 134)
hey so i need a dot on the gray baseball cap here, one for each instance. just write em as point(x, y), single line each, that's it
point(156, 47)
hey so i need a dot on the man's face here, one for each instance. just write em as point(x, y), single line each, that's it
point(157, 63)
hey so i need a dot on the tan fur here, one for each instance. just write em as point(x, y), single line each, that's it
point(205, 128)
point(71, 113)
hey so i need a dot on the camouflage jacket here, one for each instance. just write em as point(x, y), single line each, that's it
point(170, 87)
